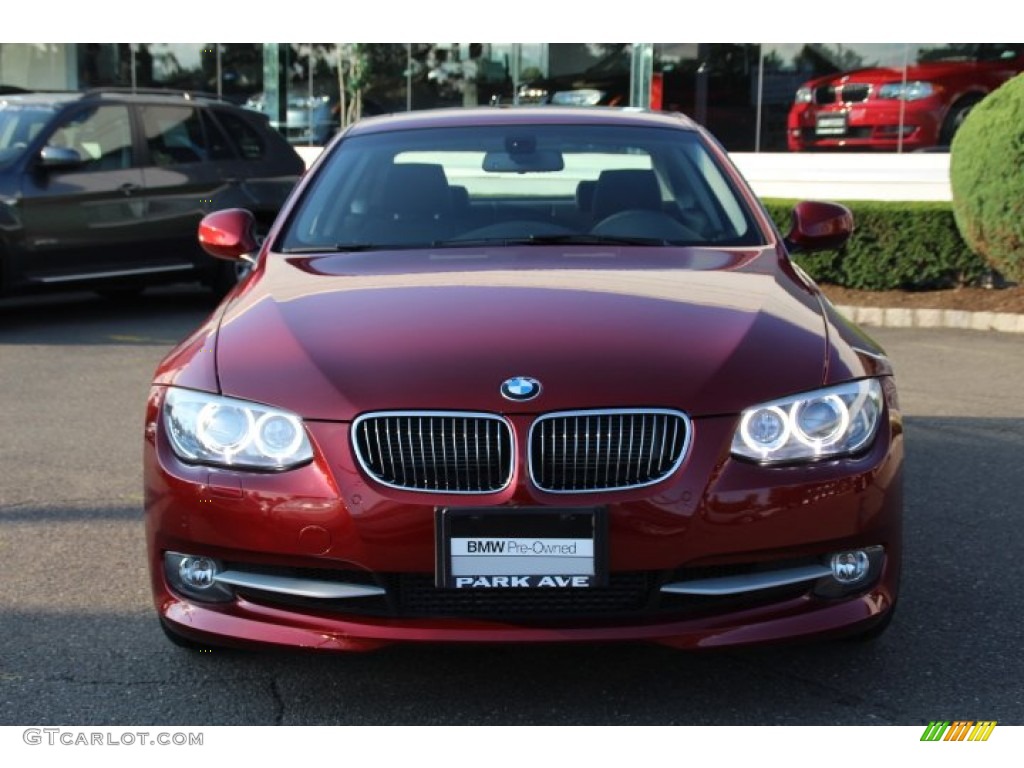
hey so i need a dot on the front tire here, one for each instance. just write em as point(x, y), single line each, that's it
point(957, 114)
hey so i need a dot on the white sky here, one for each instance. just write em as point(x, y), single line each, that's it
point(515, 21)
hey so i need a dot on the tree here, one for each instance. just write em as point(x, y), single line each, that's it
point(986, 170)
point(352, 80)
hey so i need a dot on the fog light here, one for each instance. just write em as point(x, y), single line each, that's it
point(850, 567)
point(196, 577)
point(197, 572)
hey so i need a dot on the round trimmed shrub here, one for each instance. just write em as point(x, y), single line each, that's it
point(986, 172)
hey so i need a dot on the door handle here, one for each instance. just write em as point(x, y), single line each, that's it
point(128, 189)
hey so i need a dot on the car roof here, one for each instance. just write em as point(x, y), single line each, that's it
point(47, 99)
point(155, 96)
point(457, 117)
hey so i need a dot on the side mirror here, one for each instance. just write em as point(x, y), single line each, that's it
point(59, 157)
point(229, 234)
point(819, 226)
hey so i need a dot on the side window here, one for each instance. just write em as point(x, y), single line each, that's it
point(217, 143)
point(102, 136)
point(174, 135)
point(248, 140)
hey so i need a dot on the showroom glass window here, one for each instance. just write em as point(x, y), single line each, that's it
point(742, 92)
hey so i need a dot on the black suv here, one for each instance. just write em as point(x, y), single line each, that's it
point(105, 189)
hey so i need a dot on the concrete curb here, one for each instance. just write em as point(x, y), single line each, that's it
point(903, 317)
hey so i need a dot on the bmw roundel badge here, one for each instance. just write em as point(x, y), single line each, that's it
point(520, 388)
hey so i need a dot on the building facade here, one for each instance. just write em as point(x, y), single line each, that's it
point(753, 96)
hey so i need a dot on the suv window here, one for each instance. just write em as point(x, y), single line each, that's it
point(102, 136)
point(245, 137)
point(174, 135)
point(18, 126)
point(217, 143)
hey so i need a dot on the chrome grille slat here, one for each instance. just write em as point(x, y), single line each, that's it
point(433, 461)
point(444, 458)
point(465, 447)
point(501, 462)
point(604, 450)
point(618, 457)
point(575, 448)
point(476, 451)
point(435, 451)
point(654, 439)
point(391, 453)
point(405, 441)
point(629, 455)
point(608, 450)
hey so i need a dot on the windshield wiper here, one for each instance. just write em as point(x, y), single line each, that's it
point(351, 247)
point(566, 239)
point(559, 239)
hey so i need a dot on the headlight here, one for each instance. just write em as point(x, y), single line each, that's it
point(209, 429)
point(827, 423)
point(911, 91)
point(584, 97)
point(804, 95)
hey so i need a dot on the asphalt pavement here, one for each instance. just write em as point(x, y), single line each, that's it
point(80, 645)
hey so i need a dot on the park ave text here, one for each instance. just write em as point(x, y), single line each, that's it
point(491, 582)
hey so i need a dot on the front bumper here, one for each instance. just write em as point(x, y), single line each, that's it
point(869, 126)
point(713, 518)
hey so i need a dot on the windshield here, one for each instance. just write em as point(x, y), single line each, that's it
point(969, 52)
point(18, 126)
point(519, 184)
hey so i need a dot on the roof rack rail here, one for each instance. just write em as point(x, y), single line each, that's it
point(144, 91)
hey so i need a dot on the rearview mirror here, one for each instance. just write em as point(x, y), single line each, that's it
point(537, 161)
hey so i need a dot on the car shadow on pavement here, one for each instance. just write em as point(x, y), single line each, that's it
point(167, 314)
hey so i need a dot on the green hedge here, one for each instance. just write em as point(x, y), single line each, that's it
point(895, 245)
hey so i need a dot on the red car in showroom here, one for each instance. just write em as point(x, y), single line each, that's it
point(523, 375)
point(878, 108)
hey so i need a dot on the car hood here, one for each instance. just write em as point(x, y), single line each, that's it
point(928, 71)
point(705, 331)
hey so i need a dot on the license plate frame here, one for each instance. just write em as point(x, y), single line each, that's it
point(521, 547)
point(831, 124)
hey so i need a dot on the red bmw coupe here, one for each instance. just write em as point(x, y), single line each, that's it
point(887, 108)
point(523, 375)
